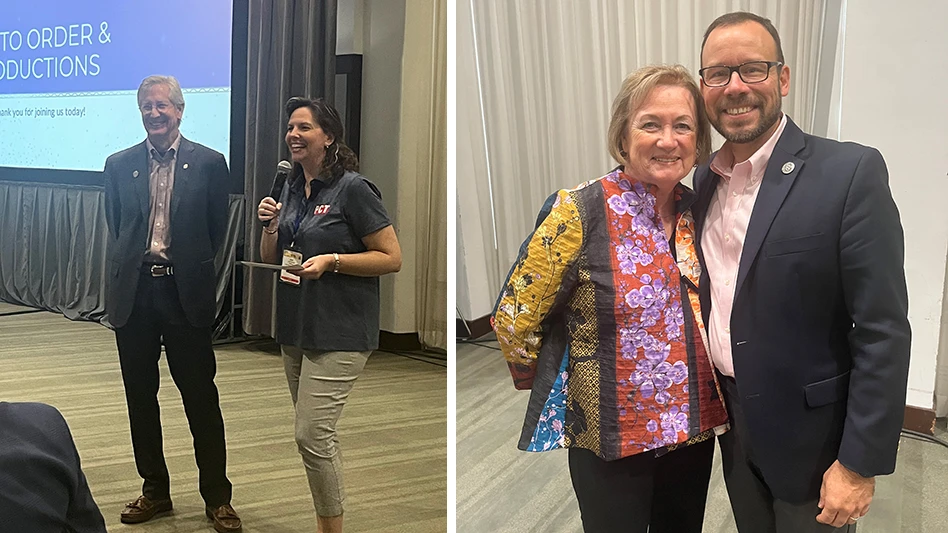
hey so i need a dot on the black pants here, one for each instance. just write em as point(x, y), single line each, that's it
point(755, 508)
point(642, 493)
point(158, 317)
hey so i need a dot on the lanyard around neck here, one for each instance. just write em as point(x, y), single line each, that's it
point(304, 203)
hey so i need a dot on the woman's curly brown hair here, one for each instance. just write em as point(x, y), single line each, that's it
point(339, 157)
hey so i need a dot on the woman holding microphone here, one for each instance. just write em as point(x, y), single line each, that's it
point(329, 219)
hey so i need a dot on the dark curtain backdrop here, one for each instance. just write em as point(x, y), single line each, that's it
point(291, 52)
point(52, 236)
point(52, 248)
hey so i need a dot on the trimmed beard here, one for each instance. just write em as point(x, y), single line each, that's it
point(740, 137)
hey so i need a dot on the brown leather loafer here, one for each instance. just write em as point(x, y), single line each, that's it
point(143, 510)
point(225, 518)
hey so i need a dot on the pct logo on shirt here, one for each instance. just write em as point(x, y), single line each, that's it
point(321, 209)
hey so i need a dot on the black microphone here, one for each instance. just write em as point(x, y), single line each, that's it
point(283, 169)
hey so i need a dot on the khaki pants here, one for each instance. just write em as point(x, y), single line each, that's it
point(319, 385)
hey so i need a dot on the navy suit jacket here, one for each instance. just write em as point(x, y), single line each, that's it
point(819, 329)
point(42, 488)
point(198, 226)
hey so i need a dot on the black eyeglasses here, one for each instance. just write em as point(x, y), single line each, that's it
point(750, 72)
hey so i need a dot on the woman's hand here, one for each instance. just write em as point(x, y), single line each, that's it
point(269, 210)
point(316, 266)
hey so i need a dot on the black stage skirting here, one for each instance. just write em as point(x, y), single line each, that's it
point(52, 248)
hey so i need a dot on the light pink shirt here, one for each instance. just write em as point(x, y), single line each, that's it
point(723, 238)
point(160, 183)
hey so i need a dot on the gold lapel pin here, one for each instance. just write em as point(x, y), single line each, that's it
point(135, 174)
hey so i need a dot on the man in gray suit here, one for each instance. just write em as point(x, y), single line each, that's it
point(166, 208)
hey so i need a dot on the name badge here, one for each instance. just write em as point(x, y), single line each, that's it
point(290, 258)
point(321, 209)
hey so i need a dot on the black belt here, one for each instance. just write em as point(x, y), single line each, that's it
point(157, 270)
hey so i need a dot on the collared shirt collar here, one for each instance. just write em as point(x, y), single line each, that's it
point(172, 151)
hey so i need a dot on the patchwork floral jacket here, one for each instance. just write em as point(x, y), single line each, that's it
point(599, 316)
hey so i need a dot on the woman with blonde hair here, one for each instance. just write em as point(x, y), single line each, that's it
point(600, 317)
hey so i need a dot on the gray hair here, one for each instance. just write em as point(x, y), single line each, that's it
point(174, 89)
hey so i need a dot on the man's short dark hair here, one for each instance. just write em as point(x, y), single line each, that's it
point(738, 17)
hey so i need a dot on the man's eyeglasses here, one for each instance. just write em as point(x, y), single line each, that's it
point(160, 106)
point(750, 72)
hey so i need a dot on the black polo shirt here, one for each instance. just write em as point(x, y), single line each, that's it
point(337, 312)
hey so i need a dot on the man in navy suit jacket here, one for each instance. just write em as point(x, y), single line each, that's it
point(804, 295)
point(42, 488)
point(166, 208)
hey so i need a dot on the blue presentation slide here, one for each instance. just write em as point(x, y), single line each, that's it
point(70, 71)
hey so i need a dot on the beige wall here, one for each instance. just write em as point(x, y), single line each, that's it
point(349, 26)
point(377, 28)
point(886, 44)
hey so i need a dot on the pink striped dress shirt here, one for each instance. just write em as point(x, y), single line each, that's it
point(160, 184)
point(723, 237)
